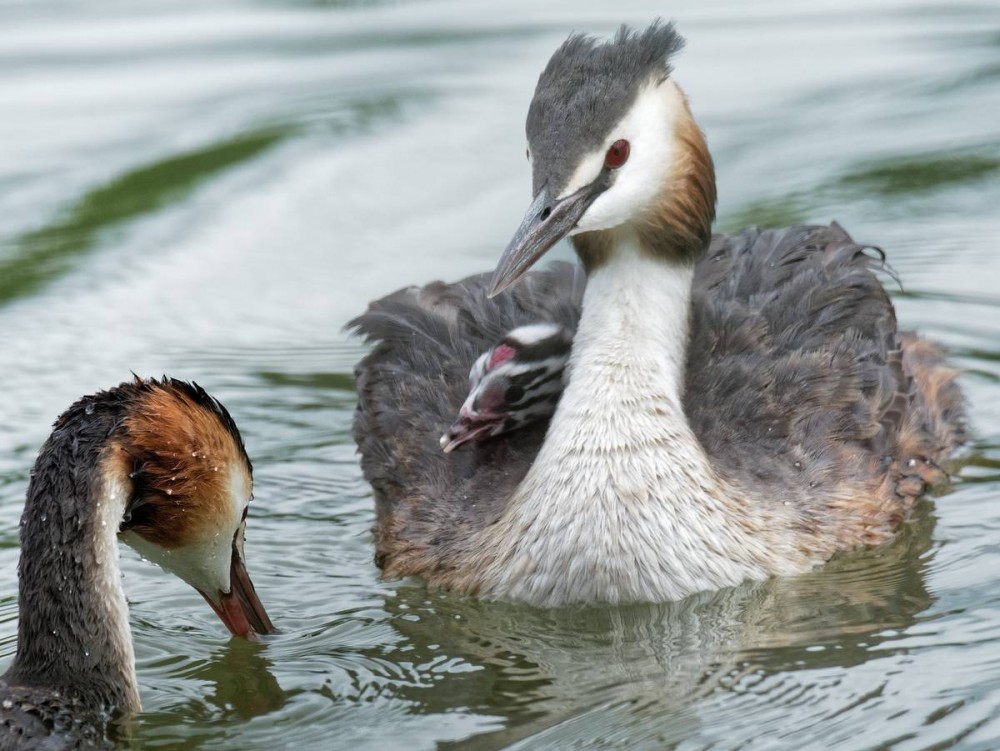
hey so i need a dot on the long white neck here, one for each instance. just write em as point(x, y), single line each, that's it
point(622, 504)
point(631, 343)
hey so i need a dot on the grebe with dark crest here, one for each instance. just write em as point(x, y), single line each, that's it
point(736, 407)
point(160, 465)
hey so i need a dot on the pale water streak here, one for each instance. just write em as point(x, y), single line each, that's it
point(213, 190)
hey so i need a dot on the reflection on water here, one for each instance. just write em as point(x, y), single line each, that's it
point(670, 668)
point(238, 685)
point(212, 192)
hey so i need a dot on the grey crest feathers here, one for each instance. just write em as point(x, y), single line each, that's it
point(586, 89)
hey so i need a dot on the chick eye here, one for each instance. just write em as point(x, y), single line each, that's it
point(617, 154)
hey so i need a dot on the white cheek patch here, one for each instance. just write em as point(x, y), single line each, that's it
point(586, 171)
point(649, 129)
point(203, 561)
point(240, 489)
point(204, 564)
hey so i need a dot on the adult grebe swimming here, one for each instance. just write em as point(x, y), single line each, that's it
point(161, 466)
point(736, 407)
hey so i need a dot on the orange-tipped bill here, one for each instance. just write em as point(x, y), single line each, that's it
point(240, 609)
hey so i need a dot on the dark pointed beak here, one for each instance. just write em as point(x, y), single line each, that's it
point(240, 609)
point(548, 221)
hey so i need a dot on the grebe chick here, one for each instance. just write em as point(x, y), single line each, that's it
point(514, 383)
point(738, 406)
point(160, 465)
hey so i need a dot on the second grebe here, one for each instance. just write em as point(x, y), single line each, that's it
point(161, 466)
point(737, 407)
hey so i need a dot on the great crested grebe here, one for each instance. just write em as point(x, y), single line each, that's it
point(736, 407)
point(161, 466)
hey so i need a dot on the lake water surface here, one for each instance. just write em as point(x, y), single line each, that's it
point(213, 190)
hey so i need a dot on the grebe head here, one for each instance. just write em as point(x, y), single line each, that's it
point(190, 483)
point(611, 142)
point(512, 384)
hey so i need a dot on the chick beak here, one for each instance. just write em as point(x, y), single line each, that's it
point(471, 428)
point(240, 609)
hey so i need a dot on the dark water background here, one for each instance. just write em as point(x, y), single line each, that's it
point(212, 190)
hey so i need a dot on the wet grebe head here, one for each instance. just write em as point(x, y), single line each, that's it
point(512, 384)
point(160, 465)
point(191, 485)
point(612, 143)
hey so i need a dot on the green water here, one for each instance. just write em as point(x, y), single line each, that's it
point(213, 190)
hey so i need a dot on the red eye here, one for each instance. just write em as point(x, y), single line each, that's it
point(617, 155)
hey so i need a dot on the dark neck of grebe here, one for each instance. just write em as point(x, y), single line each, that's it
point(73, 631)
